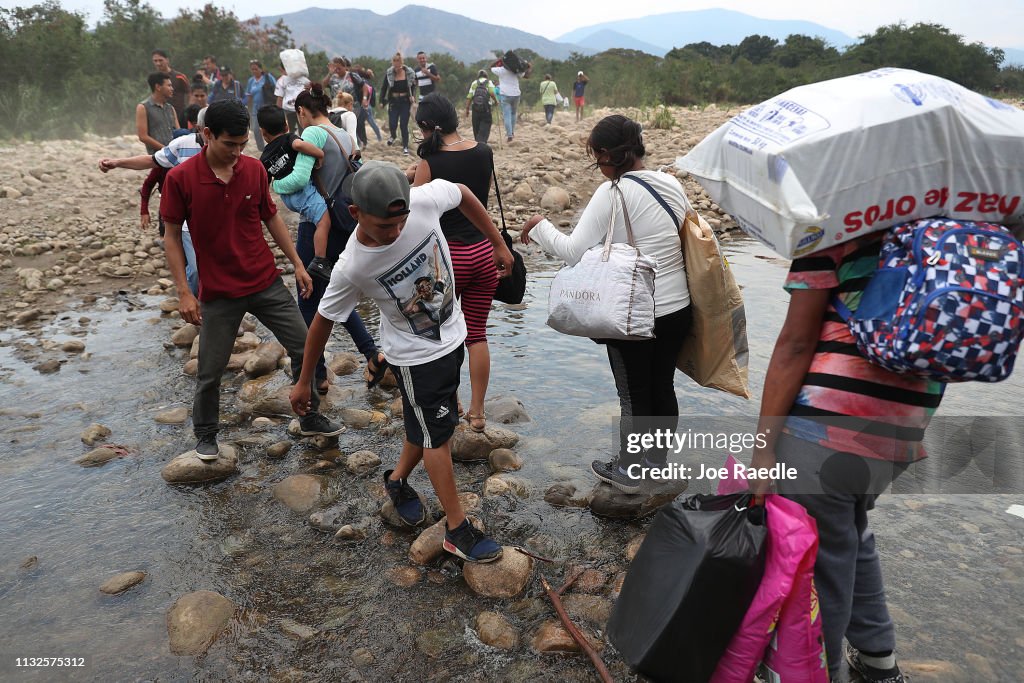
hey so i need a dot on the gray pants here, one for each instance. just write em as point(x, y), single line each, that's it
point(838, 489)
point(277, 310)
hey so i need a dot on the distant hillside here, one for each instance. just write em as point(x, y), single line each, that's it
point(606, 39)
point(354, 32)
point(716, 26)
point(1013, 56)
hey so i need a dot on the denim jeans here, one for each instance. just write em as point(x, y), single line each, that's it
point(191, 272)
point(275, 308)
point(509, 107)
point(369, 118)
point(549, 112)
point(255, 125)
point(398, 113)
point(644, 371)
point(354, 325)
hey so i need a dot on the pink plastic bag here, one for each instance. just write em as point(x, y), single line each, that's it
point(782, 626)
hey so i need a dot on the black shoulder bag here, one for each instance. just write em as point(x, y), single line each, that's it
point(511, 289)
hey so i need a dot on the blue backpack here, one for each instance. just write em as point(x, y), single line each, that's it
point(945, 303)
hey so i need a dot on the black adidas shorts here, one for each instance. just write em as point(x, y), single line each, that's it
point(430, 398)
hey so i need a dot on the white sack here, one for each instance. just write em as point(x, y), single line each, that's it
point(825, 163)
point(294, 63)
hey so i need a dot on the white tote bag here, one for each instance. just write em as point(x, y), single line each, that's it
point(609, 294)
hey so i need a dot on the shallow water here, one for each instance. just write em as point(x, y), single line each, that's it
point(953, 563)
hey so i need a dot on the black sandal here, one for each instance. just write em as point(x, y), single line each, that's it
point(376, 375)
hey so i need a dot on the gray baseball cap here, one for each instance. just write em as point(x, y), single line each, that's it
point(378, 185)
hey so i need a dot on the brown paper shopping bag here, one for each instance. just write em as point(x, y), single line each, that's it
point(715, 351)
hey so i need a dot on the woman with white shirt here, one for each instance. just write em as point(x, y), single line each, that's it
point(643, 369)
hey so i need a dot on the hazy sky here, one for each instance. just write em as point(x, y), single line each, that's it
point(996, 23)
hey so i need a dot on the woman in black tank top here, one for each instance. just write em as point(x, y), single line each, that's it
point(397, 91)
point(446, 154)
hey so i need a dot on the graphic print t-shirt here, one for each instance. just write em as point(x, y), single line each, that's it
point(278, 156)
point(411, 280)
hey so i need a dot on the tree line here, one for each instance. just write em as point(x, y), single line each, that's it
point(61, 78)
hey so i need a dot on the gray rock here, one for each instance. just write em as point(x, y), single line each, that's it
point(494, 630)
point(262, 423)
point(504, 460)
point(362, 462)
point(279, 449)
point(555, 199)
point(355, 418)
point(173, 416)
point(593, 609)
point(94, 433)
point(506, 577)
point(568, 494)
point(73, 346)
point(390, 515)
point(27, 316)
point(301, 492)
point(98, 457)
point(169, 305)
point(328, 520)
point(264, 359)
point(427, 546)
point(276, 403)
point(195, 620)
point(47, 367)
point(344, 363)
point(362, 657)
point(294, 629)
point(122, 582)
point(468, 446)
point(499, 484)
point(608, 501)
point(187, 468)
point(506, 410)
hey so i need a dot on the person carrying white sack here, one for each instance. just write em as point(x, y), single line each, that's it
point(643, 369)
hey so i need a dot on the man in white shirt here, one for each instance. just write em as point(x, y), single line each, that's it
point(508, 86)
point(399, 257)
point(286, 90)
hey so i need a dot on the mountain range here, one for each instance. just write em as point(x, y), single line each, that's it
point(356, 32)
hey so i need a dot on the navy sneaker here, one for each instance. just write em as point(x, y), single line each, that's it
point(315, 424)
point(469, 543)
point(207, 449)
point(609, 472)
point(403, 497)
point(870, 674)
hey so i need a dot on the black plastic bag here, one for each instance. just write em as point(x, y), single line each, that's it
point(689, 587)
point(511, 289)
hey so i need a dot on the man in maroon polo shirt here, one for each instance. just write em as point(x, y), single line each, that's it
point(225, 198)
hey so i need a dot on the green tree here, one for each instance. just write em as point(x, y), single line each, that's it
point(755, 49)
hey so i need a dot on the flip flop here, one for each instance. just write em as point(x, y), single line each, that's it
point(474, 420)
point(376, 375)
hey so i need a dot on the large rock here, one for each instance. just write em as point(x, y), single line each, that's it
point(523, 192)
point(94, 433)
point(356, 418)
point(468, 446)
point(362, 462)
point(555, 199)
point(301, 492)
point(506, 410)
point(98, 457)
point(254, 389)
point(247, 342)
point(185, 335)
point(264, 359)
point(342, 364)
point(503, 578)
point(608, 501)
point(187, 468)
point(195, 620)
point(169, 305)
point(122, 582)
point(275, 403)
point(172, 416)
point(495, 630)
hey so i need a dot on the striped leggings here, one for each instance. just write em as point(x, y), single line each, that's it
point(476, 278)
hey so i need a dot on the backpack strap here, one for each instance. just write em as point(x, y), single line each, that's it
point(497, 193)
point(348, 162)
point(654, 193)
point(844, 312)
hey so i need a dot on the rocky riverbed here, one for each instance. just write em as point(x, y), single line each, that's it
point(283, 560)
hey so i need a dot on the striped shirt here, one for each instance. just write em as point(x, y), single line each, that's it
point(847, 403)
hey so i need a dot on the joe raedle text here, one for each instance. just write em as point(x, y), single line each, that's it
point(674, 471)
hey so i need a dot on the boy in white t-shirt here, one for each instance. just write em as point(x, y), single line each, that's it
point(400, 258)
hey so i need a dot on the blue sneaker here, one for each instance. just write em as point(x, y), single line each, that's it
point(403, 497)
point(469, 543)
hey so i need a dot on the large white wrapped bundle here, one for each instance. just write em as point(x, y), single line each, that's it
point(294, 62)
point(825, 163)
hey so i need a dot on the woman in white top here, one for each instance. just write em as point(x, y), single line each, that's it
point(644, 369)
point(343, 117)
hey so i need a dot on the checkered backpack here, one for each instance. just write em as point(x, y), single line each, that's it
point(945, 302)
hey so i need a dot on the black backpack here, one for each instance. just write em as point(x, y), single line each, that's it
point(481, 98)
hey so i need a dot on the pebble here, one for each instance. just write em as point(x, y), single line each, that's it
point(94, 433)
point(122, 582)
point(279, 449)
point(97, 457)
point(350, 533)
point(297, 631)
point(362, 657)
point(73, 346)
